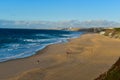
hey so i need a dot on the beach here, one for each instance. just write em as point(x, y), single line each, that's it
point(83, 58)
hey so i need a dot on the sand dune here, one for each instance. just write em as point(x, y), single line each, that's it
point(84, 58)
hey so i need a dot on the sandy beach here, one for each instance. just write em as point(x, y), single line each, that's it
point(83, 58)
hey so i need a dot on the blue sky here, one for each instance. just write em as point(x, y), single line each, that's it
point(60, 10)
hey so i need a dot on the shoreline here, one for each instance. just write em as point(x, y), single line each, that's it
point(35, 53)
point(54, 62)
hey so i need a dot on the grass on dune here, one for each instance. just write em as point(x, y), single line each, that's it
point(113, 75)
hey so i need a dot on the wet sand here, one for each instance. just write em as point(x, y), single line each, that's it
point(83, 58)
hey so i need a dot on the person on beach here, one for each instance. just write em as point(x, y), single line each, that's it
point(68, 52)
point(38, 61)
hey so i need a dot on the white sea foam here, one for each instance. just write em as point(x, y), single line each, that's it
point(29, 46)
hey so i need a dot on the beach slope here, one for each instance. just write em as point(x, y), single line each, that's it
point(83, 58)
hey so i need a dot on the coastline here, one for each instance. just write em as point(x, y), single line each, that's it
point(42, 49)
point(22, 46)
point(55, 64)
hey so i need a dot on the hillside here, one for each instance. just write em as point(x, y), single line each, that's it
point(112, 74)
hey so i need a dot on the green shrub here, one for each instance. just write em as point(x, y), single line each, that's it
point(113, 75)
point(117, 29)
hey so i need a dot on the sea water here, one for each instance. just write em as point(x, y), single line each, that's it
point(21, 43)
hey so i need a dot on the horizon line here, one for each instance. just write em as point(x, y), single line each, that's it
point(62, 20)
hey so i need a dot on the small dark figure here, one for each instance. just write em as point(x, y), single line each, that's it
point(68, 52)
point(38, 61)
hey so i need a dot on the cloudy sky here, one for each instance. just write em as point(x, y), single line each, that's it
point(59, 10)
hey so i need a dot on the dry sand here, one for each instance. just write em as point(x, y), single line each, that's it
point(84, 58)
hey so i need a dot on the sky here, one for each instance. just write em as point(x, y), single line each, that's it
point(60, 10)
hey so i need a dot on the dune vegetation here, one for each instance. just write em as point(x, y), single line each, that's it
point(112, 74)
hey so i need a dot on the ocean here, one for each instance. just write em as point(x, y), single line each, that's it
point(21, 43)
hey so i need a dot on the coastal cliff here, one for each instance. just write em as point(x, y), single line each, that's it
point(111, 32)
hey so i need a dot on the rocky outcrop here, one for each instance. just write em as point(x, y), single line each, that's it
point(112, 33)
